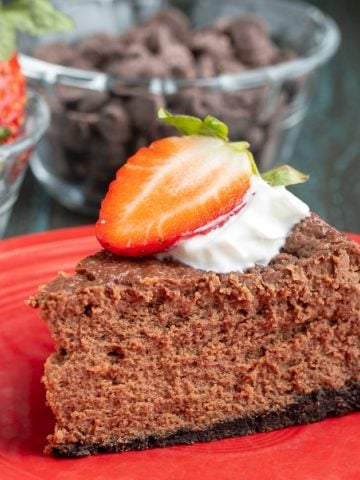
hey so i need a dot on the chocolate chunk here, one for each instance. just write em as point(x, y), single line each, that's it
point(57, 52)
point(136, 52)
point(213, 101)
point(205, 66)
point(115, 156)
point(220, 24)
point(248, 100)
point(179, 61)
point(114, 121)
point(245, 21)
point(143, 110)
point(105, 157)
point(176, 21)
point(162, 130)
point(95, 48)
point(70, 96)
point(93, 101)
point(216, 45)
point(76, 131)
point(117, 49)
point(252, 46)
point(156, 37)
point(141, 142)
point(134, 68)
point(201, 101)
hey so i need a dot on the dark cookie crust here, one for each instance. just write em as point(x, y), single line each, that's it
point(308, 408)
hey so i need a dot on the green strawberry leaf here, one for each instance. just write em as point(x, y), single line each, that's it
point(254, 167)
point(213, 127)
point(4, 133)
point(36, 17)
point(242, 147)
point(188, 125)
point(8, 39)
point(284, 175)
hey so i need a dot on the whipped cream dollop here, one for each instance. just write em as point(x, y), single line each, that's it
point(253, 236)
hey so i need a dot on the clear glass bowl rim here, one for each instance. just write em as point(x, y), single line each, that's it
point(33, 130)
point(50, 73)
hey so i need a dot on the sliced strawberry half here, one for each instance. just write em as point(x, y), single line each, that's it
point(171, 190)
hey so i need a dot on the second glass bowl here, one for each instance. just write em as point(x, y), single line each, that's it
point(14, 156)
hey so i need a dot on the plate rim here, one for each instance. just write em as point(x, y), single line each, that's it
point(33, 238)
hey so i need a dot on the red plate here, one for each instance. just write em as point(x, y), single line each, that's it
point(325, 450)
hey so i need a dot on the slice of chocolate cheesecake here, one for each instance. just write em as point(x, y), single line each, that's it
point(152, 353)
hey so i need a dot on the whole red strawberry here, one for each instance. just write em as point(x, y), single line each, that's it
point(12, 99)
point(34, 17)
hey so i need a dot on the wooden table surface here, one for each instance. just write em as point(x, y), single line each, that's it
point(328, 147)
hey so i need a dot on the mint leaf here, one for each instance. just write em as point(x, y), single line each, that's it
point(213, 127)
point(7, 41)
point(284, 175)
point(188, 125)
point(46, 19)
point(36, 17)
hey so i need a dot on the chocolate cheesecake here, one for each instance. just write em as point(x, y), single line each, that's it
point(153, 353)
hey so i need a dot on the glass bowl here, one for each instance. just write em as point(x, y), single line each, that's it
point(14, 156)
point(91, 136)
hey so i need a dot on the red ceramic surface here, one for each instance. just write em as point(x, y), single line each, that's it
point(328, 450)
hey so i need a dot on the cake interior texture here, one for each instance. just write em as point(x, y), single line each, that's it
point(152, 353)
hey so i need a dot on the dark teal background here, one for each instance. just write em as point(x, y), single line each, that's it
point(328, 147)
point(329, 144)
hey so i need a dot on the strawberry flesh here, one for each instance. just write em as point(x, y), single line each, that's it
point(171, 190)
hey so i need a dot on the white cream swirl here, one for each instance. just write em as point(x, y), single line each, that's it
point(252, 236)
